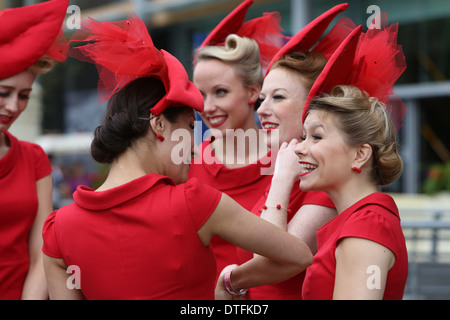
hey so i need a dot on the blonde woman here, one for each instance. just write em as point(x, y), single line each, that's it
point(349, 148)
point(228, 70)
point(25, 180)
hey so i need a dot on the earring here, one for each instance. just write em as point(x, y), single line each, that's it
point(356, 169)
point(160, 137)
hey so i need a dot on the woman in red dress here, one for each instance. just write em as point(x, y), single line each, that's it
point(288, 81)
point(26, 50)
point(362, 252)
point(349, 148)
point(145, 232)
point(228, 70)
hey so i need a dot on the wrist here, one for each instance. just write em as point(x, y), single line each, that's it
point(229, 286)
point(283, 181)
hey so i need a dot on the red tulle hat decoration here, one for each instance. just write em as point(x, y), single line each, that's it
point(265, 30)
point(30, 32)
point(307, 38)
point(123, 51)
point(371, 61)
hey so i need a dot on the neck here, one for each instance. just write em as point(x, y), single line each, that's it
point(4, 146)
point(130, 165)
point(346, 195)
point(2, 139)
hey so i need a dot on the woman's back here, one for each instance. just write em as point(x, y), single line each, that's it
point(137, 241)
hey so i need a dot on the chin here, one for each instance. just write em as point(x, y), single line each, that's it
point(305, 186)
point(272, 143)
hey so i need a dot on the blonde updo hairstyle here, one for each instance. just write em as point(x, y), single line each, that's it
point(364, 119)
point(43, 65)
point(239, 52)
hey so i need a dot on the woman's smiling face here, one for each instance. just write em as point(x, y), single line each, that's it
point(14, 94)
point(282, 98)
point(323, 153)
point(226, 99)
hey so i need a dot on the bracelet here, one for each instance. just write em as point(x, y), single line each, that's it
point(229, 287)
point(278, 207)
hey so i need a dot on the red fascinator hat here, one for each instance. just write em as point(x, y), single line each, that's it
point(371, 61)
point(123, 51)
point(265, 30)
point(30, 32)
point(306, 38)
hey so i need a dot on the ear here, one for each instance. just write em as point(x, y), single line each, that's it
point(362, 155)
point(253, 93)
point(157, 124)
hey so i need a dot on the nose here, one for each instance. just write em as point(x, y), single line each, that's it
point(301, 149)
point(263, 109)
point(11, 104)
point(209, 105)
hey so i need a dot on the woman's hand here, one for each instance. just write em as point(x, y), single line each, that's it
point(287, 168)
point(221, 292)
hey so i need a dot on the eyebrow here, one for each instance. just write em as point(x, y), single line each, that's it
point(274, 90)
point(314, 125)
point(221, 85)
point(12, 88)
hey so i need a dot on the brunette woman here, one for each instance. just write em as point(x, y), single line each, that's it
point(145, 232)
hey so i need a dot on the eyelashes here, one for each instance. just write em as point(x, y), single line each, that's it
point(22, 96)
point(314, 136)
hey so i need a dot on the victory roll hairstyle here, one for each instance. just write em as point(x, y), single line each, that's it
point(363, 119)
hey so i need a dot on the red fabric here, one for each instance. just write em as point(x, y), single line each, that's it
point(265, 30)
point(371, 61)
point(291, 288)
point(229, 25)
point(336, 70)
point(375, 218)
point(123, 51)
point(306, 38)
point(28, 33)
point(379, 62)
point(137, 241)
point(20, 168)
point(245, 185)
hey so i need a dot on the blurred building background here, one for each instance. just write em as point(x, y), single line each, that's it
point(64, 109)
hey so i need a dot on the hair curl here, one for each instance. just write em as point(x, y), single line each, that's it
point(364, 119)
point(239, 52)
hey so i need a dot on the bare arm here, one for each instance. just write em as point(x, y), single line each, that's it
point(287, 170)
point(35, 286)
point(57, 276)
point(308, 218)
point(283, 255)
point(361, 269)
